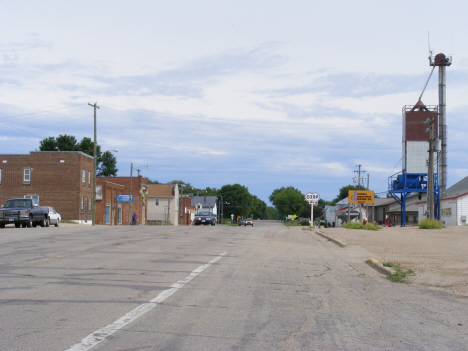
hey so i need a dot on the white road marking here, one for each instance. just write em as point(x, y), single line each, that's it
point(101, 334)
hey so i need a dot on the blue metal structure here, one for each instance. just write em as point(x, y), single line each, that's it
point(401, 185)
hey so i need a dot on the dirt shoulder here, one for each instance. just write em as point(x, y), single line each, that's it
point(438, 257)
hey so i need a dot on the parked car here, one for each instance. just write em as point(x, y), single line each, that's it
point(54, 217)
point(248, 221)
point(23, 212)
point(205, 218)
point(241, 221)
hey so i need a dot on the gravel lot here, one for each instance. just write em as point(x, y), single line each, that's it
point(438, 257)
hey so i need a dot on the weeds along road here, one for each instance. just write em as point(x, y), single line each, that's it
point(209, 288)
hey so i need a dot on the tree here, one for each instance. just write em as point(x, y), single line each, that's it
point(289, 201)
point(66, 142)
point(272, 213)
point(107, 166)
point(258, 209)
point(239, 199)
point(48, 144)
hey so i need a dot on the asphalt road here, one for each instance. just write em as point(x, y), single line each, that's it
point(209, 288)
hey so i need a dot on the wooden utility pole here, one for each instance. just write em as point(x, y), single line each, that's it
point(130, 194)
point(94, 164)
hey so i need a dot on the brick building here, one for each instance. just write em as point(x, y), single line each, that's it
point(59, 179)
point(184, 214)
point(113, 212)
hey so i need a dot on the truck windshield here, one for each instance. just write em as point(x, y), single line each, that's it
point(18, 203)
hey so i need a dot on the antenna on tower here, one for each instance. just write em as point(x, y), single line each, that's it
point(429, 46)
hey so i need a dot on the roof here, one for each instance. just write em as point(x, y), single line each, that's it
point(210, 201)
point(457, 189)
point(159, 190)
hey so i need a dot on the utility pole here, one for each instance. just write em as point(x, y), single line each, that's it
point(94, 164)
point(359, 180)
point(430, 169)
point(130, 194)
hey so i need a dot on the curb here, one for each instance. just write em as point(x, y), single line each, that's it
point(379, 267)
point(336, 241)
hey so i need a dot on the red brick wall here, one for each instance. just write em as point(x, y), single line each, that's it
point(57, 183)
point(184, 218)
point(109, 195)
point(138, 204)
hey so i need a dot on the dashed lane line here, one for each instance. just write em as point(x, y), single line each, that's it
point(101, 334)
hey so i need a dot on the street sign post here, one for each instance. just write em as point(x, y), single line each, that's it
point(313, 199)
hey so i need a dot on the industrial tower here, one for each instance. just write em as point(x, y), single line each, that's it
point(424, 132)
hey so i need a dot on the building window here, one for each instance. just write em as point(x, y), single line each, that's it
point(83, 176)
point(82, 202)
point(108, 212)
point(447, 212)
point(27, 175)
point(0, 176)
point(35, 197)
point(156, 202)
point(119, 214)
point(89, 206)
point(89, 177)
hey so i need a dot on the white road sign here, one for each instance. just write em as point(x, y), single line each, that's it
point(312, 197)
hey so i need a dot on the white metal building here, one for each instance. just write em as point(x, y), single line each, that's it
point(453, 207)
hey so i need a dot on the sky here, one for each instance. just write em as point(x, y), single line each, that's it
point(261, 93)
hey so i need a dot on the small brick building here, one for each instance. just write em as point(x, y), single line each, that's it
point(112, 212)
point(59, 179)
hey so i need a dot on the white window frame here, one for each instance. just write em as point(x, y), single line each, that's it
point(26, 175)
point(89, 206)
point(82, 202)
point(83, 176)
point(0, 176)
point(32, 196)
point(89, 177)
point(119, 214)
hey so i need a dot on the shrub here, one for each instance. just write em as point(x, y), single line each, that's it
point(430, 224)
point(358, 225)
point(304, 222)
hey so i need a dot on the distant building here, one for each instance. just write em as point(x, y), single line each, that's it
point(163, 204)
point(454, 205)
point(112, 195)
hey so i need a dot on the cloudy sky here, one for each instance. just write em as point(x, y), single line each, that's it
point(261, 93)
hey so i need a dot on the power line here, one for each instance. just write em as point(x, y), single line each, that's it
point(41, 112)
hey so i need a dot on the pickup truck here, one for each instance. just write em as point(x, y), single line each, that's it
point(25, 212)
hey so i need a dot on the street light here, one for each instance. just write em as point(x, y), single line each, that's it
point(130, 191)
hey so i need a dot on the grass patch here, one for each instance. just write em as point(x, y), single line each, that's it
point(430, 224)
point(399, 275)
point(357, 225)
point(289, 223)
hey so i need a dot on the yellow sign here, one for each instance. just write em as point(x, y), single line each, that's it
point(360, 197)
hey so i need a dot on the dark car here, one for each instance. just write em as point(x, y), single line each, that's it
point(23, 212)
point(205, 218)
point(241, 222)
point(248, 221)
